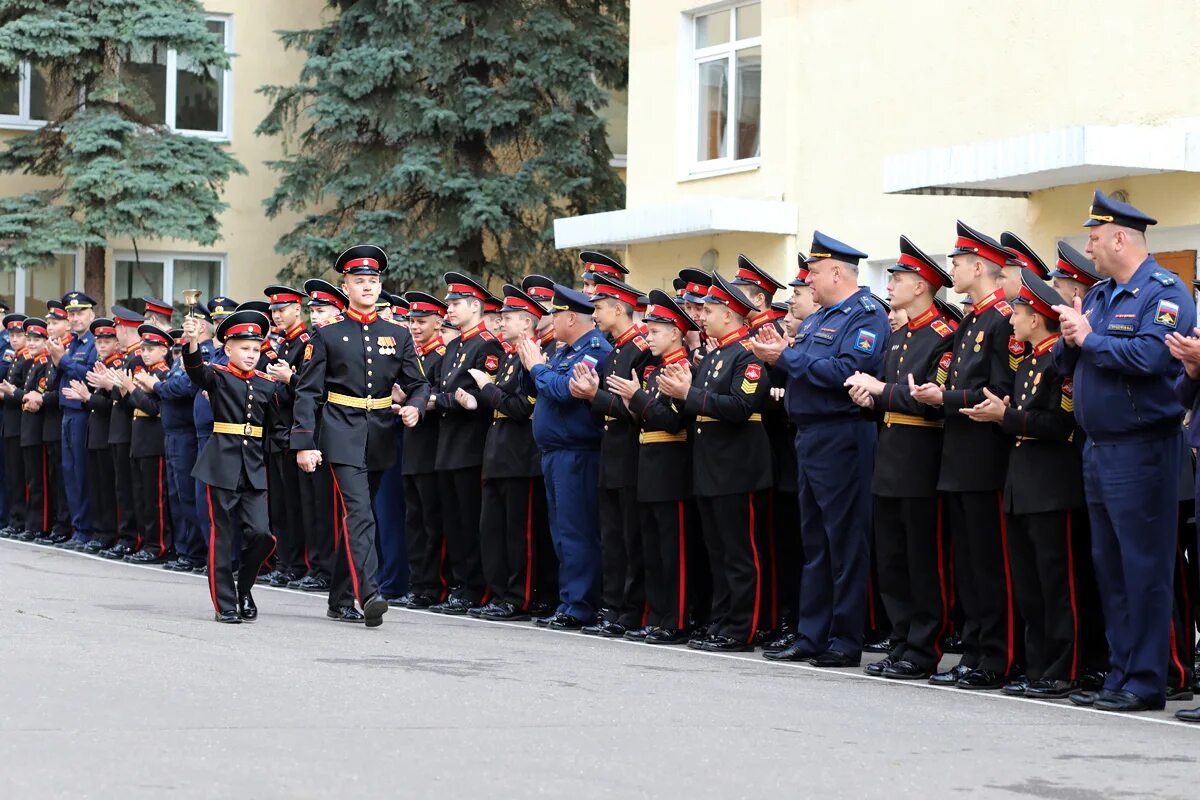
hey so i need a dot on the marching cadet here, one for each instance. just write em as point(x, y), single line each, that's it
point(1074, 274)
point(147, 448)
point(1113, 346)
point(232, 465)
point(423, 529)
point(461, 435)
point(120, 429)
point(513, 520)
point(41, 497)
point(665, 511)
point(102, 487)
point(1042, 494)
point(17, 357)
point(909, 539)
point(834, 447)
point(621, 543)
point(325, 303)
point(730, 463)
point(356, 378)
point(52, 427)
point(599, 264)
point(72, 361)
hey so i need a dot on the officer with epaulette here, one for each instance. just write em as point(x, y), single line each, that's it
point(1113, 344)
point(232, 465)
point(624, 590)
point(834, 446)
point(909, 536)
point(147, 447)
point(731, 463)
point(423, 530)
point(666, 512)
point(461, 435)
point(599, 264)
point(541, 289)
point(17, 363)
point(568, 436)
point(513, 519)
point(1074, 274)
point(355, 376)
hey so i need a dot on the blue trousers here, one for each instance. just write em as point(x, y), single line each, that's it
point(572, 477)
point(74, 456)
point(390, 542)
point(190, 543)
point(836, 459)
point(1132, 491)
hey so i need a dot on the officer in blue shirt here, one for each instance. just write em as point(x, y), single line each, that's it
point(569, 437)
point(73, 363)
point(835, 446)
point(1113, 343)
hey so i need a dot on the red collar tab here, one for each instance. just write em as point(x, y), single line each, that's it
point(675, 356)
point(547, 337)
point(296, 330)
point(1045, 344)
point(758, 318)
point(628, 335)
point(730, 338)
point(114, 358)
point(989, 301)
point(474, 331)
point(924, 318)
point(434, 344)
point(358, 316)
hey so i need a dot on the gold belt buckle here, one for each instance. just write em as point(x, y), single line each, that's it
point(248, 430)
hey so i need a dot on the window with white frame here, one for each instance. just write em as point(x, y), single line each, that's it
point(165, 276)
point(26, 290)
point(28, 97)
point(727, 86)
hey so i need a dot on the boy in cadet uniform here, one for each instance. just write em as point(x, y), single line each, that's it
point(120, 429)
point(664, 468)
point(41, 497)
point(232, 465)
point(16, 356)
point(514, 517)
point(52, 421)
point(541, 289)
point(1043, 494)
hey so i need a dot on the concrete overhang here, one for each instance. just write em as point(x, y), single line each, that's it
point(698, 217)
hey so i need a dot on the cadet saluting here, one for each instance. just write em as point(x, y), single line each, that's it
point(356, 374)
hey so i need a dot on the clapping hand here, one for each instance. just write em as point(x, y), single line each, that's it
point(768, 344)
point(990, 409)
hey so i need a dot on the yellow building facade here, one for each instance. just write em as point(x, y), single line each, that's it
point(752, 123)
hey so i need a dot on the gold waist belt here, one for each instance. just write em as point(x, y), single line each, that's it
point(234, 429)
point(753, 418)
point(499, 415)
point(369, 403)
point(891, 418)
point(137, 412)
point(658, 437)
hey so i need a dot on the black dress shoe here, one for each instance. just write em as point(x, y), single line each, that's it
point(282, 579)
point(374, 607)
point(725, 644)
point(638, 634)
point(594, 628)
point(60, 538)
point(422, 601)
point(983, 680)
point(146, 557)
point(1179, 694)
point(952, 644)
point(403, 601)
point(795, 652)
point(310, 584)
point(93, 547)
point(455, 606)
point(229, 617)
point(1188, 714)
point(265, 577)
point(181, 565)
point(345, 614)
point(836, 659)
point(562, 621)
point(114, 553)
point(612, 630)
point(876, 668)
point(664, 636)
point(1048, 689)
point(905, 670)
point(45, 539)
point(950, 677)
point(477, 611)
point(884, 645)
point(246, 608)
point(1092, 680)
point(28, 536)
point(1016, 687)
point(782, 643)
point(505, 612)
point(1123, 701)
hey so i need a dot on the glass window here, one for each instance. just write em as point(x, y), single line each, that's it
point(145, 71)
point(198, 92)
point(8, 287)
point(10, 93)
point(203, 274)
point(712, 29)
point(135, 280)
point(746, 107)
point(48, 283)
point(728, 91)
point(714, 104)
point(749, 21)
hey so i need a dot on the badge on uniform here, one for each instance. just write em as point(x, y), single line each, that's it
point(753, 371)
point(865, 340)
point(1167, 314)
point(943, 369)
point(491, 363)
point(1068, 395)
point(387, 346)
point(591, 361)
point(307, 352)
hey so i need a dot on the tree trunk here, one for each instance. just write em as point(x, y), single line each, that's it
point(93, 278)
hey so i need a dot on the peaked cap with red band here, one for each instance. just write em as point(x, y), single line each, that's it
point(914, 259)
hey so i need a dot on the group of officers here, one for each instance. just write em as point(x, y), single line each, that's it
point(703, 467)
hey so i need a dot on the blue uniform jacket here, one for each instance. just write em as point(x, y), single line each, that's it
point(177, 393)
point(202, 416)
point(75, 364)
point(560, 421)
point(831, 345)
point(1124, 376)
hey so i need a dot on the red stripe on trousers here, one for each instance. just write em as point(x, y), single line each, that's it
point(682, 566)
point(528, 548)
point(1074, 602)
point(757, 568)
point(774, 576)
point(346, 532)
point(942, 588)
point(212, 549)
point(1008, 590)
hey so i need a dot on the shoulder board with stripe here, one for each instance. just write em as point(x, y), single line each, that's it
point(746, 344)
point(262, 374)
point(441, 349)
point(941, 328)
point(304, 337)
point(487, 336)
point(1163, 278)
point(641, 343)
point(1004, 308)
point(221, 367)
point(867, 303)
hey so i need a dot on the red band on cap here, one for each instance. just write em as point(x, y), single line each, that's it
point(1075, 272)
point(723, 297)
point(1039, 305)
point(128, 323)
point(420, 306)
point(360, 262)
point(514, 303)
point(56, 313)
point(249, 327)
point(465, 288)
point(604, 269)
point(669, 313)
point(15, 324)
point(541, 292)
point(155, 338)
point(753, 277)
point(104, 330)
point(285, 298)
point(696, 288)
point(327, 297)
point(924, 270)
point(38, 329)
point(982, 250)
point(603, 290)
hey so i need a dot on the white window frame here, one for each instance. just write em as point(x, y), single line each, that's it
point(690, 60)
point(21, 280)
point(22, 121)
point(168, 259)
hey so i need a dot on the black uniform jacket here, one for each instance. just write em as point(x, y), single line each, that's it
point(1044, 468)
point(37, 378)
point(619, 447)
point(420, 443)
point(462, 433)
point(148, 438)
point(664, 453)
point(510, 451)
point(730, 451)
point(99, 406)
point(974, 455)
point(120, 422)
point(355, 357)
point(289, 349)
point(21, 364)
point(909, 452)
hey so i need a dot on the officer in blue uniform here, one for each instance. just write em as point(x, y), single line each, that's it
point(1114, 344)
point(72, 364)
point(835, 446)
point(569, 437)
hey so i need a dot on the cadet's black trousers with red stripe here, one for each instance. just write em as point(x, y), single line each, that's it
point(355, 560)
point(624, 573)
point(782, 557)
point(14, 477)
point(991, 634)
point(60, 522)
point(424, 536)
point(729, 524)
point(128, 531)
point(286, 511)
point(150, 496)
point(41, 507)
point(316, 489)
point(667, 550)
point(102, 496)
point(511, 523)
point(910, 555)
point(231, 513)
point(462, 498)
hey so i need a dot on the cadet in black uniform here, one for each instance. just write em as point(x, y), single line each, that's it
point(356, 376)
point(910, 544)
point(232, 464)
point(461, 435)
point(621, 541)
point(147, 449)
point(102, 487)
point(974, 465)
point(17, 355)
point(665, 509)
point(731, 461)
point(41, 497)
point(120, 430)
point(1043, 494)
point(422, 502)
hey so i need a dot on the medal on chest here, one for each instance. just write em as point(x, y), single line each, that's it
point(387, 345)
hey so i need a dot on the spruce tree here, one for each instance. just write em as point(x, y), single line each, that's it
point(112, 169)
point(450, 132)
